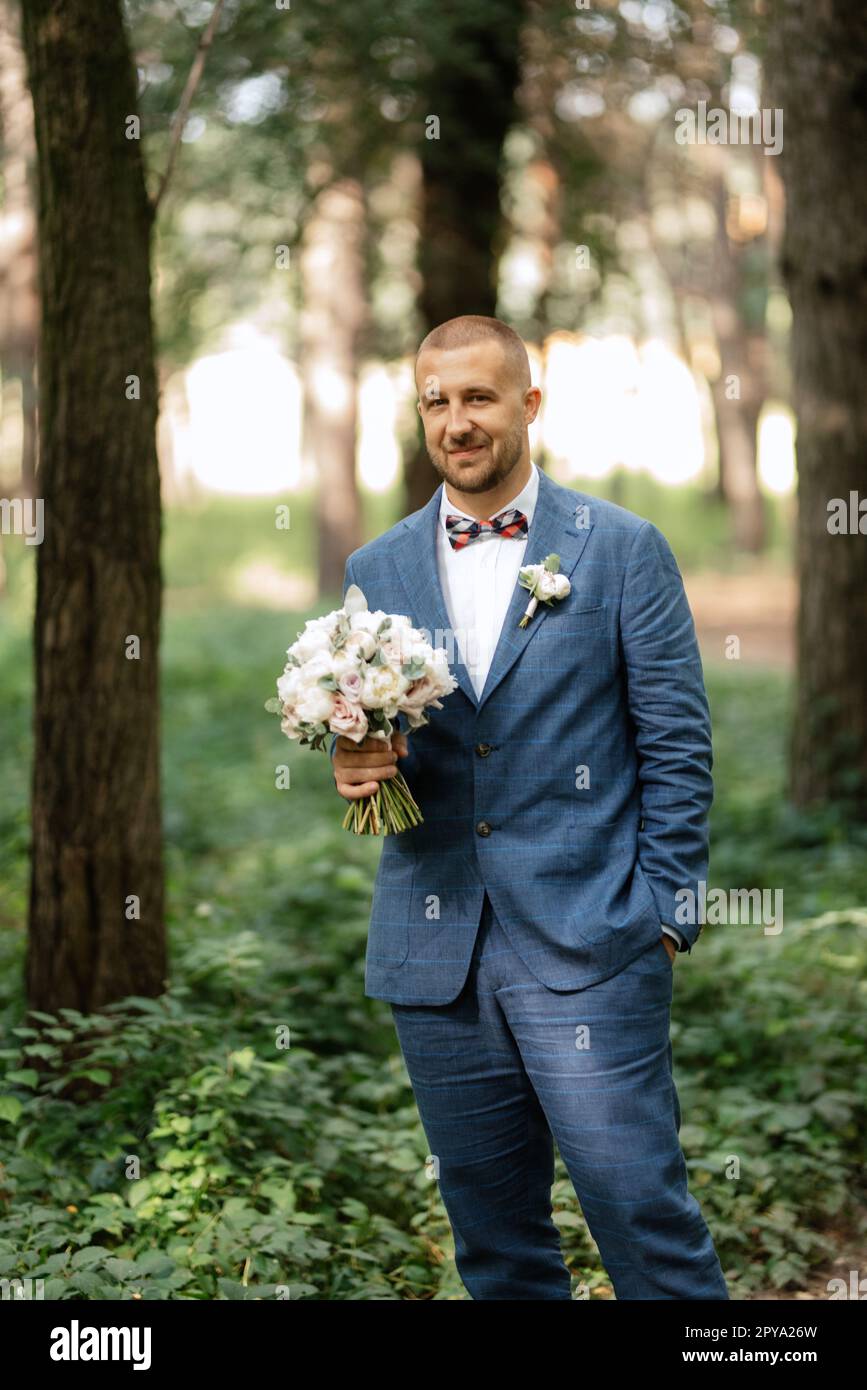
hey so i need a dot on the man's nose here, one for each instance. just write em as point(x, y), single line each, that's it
point(458, 422)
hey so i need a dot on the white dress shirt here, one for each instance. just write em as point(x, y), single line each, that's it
point(478, 581)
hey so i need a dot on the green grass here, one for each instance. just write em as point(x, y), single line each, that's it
point(696, 524)
point(210, 1160)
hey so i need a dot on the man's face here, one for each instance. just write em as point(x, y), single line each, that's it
point(475, 415)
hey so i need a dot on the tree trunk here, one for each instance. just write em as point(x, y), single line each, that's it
point(818, 76)
point(737, 393)
point(19, 298)
point(470, 89)
point(333, 312)
point(96, 898)
point(545, 232)
point(736, 432)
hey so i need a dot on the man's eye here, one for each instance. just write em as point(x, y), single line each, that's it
point(438, 400)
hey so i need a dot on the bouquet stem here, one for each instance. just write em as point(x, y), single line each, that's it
point(390, 809)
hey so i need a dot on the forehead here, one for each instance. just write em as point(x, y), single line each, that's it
point(456, 368)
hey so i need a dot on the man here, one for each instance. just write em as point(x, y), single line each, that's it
point(524, 933)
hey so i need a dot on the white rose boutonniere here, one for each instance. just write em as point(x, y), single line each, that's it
point(544, 582)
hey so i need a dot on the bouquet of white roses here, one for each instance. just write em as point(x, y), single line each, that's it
point(354, 672)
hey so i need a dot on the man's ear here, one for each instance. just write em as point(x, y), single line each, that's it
point(532, 401)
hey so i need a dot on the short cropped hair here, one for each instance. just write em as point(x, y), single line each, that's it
point(472, 328)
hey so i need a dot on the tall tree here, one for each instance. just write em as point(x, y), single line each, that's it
point(96, 898)
point(19, 301)
point(468, 94)
point(817, 69)
point(332, 315)
point(738, 390)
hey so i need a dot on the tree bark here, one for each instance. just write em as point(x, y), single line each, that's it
point(817, 58)
point(332, 315)
point(96, 897)
point(19, 299)
point(738, 390)
point(471, 89)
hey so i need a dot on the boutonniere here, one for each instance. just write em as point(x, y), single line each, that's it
point(544, 582)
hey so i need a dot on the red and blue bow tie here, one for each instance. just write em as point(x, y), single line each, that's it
point(463, 530)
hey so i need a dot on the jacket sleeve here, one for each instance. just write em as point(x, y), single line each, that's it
point(669, 713)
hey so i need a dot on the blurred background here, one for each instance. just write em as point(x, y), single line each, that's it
point(224, 230)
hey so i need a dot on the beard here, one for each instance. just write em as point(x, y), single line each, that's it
point(493, 467)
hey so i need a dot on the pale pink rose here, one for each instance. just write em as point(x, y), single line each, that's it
point(392, 652)
point(422, 692)
point(349, 684)
point(400, 649)
point(348, 718)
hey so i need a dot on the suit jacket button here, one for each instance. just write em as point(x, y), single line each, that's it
point(483, 749)
point(483, 828)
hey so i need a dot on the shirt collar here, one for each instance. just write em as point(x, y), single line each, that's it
point(525, 500)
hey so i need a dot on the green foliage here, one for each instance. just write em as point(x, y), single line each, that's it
point(696, 524)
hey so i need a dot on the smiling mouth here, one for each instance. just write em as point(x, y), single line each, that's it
point(456, 453)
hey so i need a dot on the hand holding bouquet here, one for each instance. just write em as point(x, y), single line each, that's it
point(354, 673)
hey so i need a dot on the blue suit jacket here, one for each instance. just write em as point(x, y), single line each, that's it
point(581, 867)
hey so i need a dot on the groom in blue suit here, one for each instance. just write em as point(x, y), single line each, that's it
point(524, 934)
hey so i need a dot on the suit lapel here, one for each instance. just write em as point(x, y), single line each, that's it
point(552, 528)
point(415, 559)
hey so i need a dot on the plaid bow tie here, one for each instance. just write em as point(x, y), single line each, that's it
point(462, 531)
